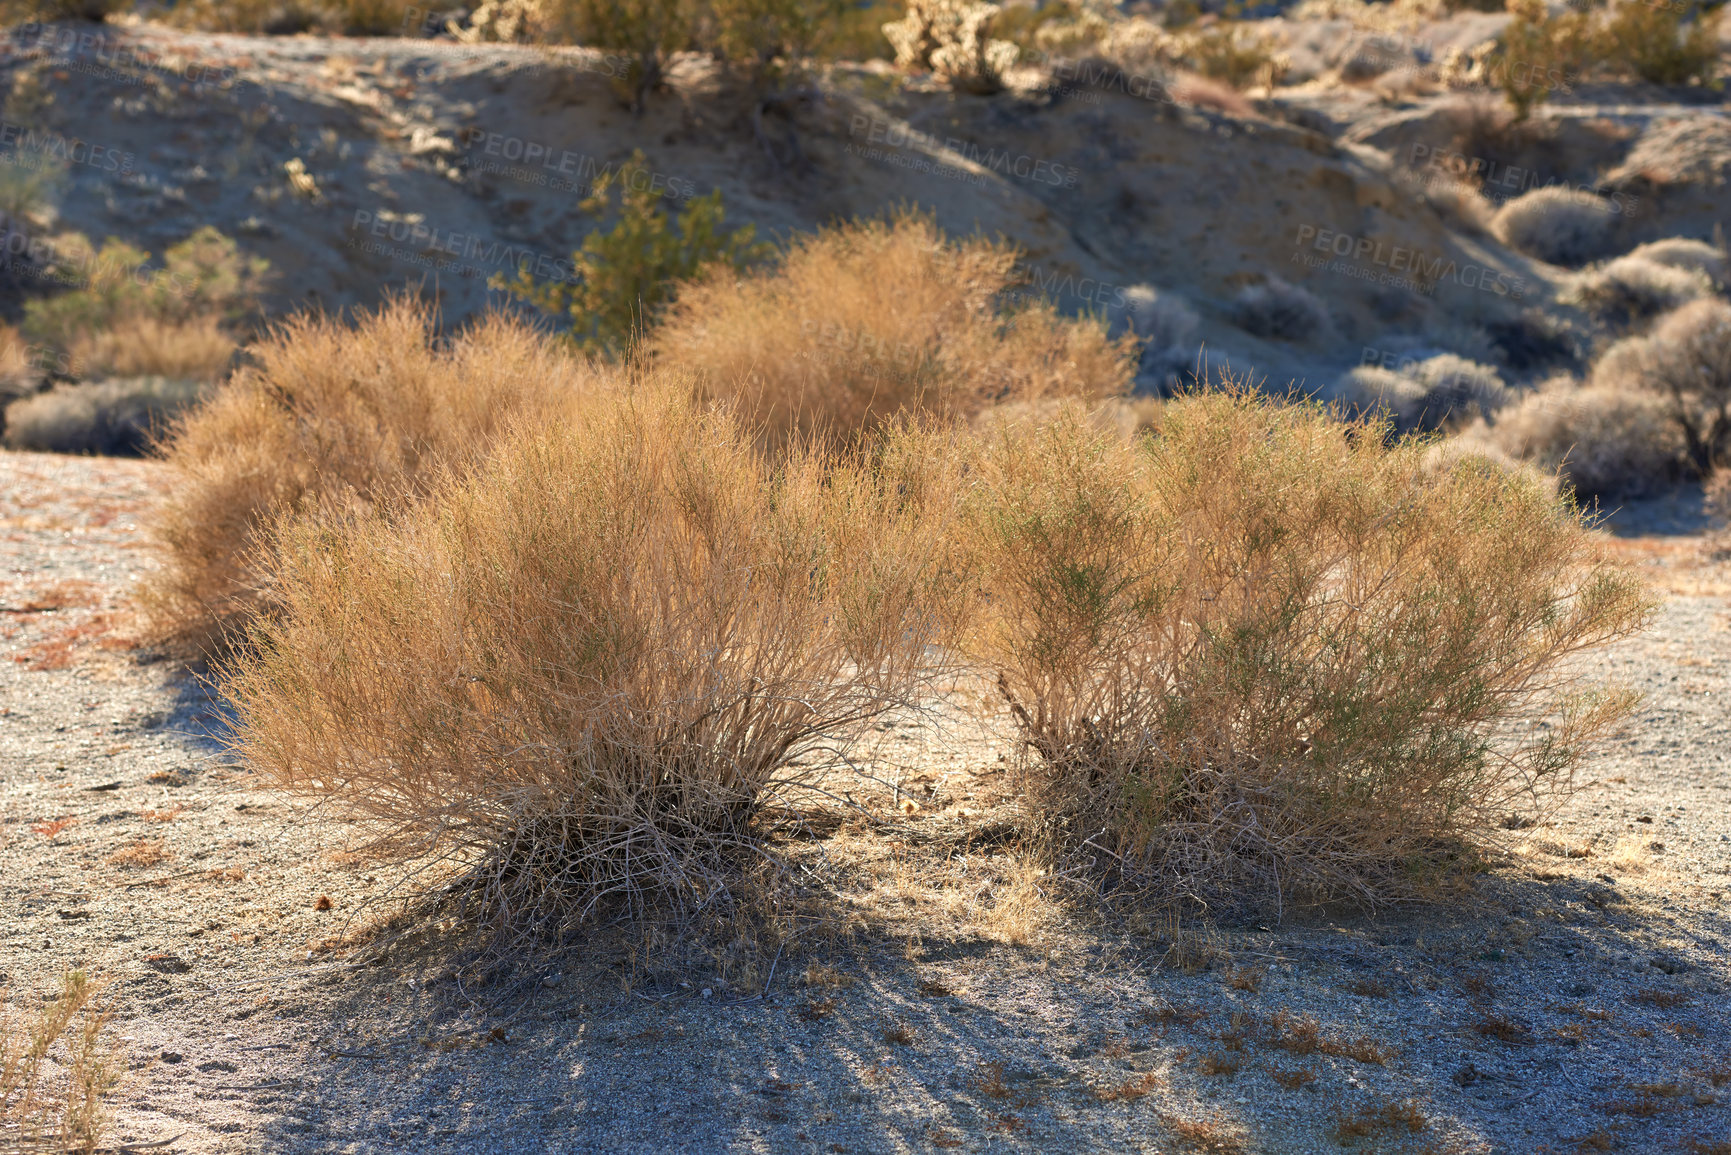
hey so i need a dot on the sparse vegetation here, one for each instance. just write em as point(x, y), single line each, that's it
point(1654, 42)
point(56, 1070)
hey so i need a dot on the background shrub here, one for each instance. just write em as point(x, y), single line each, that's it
point(1686, 361)
point(1563, 226)
point(1605, 442)
point(1264, 654)
point(328, 418)
point(118, 418)
point(861, 322)
point(1653, 42)
point(1685, 253)
point(584, 670)
point(1282, 311)
point(1633, 288)
point(953, 38)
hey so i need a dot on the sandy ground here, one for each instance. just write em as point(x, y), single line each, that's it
point(1576, 1002)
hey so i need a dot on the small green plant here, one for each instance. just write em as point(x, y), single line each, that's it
point(1539, 53)
point(1232, 53)
point(1651, 41)
point(645, 31)
point(622, 275)
point(54, 1101)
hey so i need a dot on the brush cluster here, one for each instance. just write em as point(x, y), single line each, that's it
point(582, 628)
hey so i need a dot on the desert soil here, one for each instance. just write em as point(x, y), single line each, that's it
point(1575, 1000)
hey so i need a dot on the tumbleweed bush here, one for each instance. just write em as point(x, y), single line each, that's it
point(330, 416)
point(864, 321)
point(1266, 653)
point(581, 672)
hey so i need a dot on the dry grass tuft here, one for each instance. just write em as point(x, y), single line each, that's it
point(1303, 1035)
point(1218, 1065)
point(55, 1071)
point(865, 321)
point(1266, 651)
point(1130, 1090)
point(1292, 1080)
point(582, 671)
point(143, 853)
point(330, 420)
point(1380, 1119)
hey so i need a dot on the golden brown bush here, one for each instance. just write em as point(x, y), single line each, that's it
point(196, 349)
point(584, 669)
point(1263, 653)
point(865, 321)
point(328, 417)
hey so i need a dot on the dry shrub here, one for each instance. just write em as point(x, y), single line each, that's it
point(195, 349)
point(55, 1071)
point(1606, 441)
point(328, 417)
point(864, 321)
point(1653, 42)
point(1264, 652)
point(1686, 362)
point(118, 418)
point(1561, 225)
point(1685, 253)
point(583, 670)
point(1440, 392)
point(1281, 311)
point(145, 852)
point(1633, 289)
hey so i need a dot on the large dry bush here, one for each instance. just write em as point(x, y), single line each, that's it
point(328, 416)
point(1607, 442)
point(1262, 654)
point(861, 322)
point(584, 670)
point(1564, 226)
point(1686, 361)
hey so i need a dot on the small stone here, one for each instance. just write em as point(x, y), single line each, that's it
point(172, 1056)
point(708, 991)
point(552, 980)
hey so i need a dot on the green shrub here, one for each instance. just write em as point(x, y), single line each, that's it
point(1262, 654)
point(1651, 41)
point(1539, 53)
point(621, 276)
point(204, 278)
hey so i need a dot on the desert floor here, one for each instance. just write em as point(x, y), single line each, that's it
point(1575, 1000)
